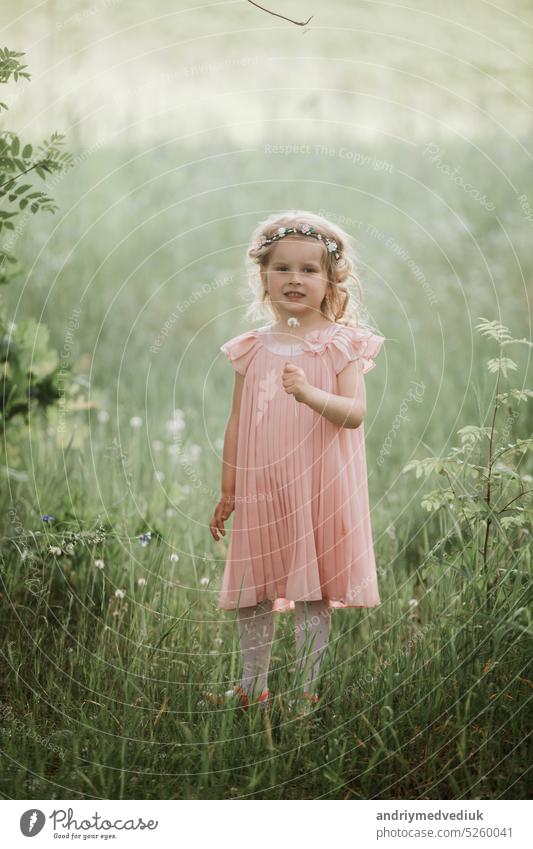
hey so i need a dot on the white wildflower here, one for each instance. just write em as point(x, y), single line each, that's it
point(175, 425)
point(194, 451)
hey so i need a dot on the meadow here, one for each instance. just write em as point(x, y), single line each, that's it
point(111, 636)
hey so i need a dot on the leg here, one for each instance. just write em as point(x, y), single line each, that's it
point(312, 630)
point(256, 629)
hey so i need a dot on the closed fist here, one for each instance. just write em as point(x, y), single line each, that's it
point(294, 381)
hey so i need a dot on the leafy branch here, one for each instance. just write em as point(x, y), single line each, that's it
point(477, 478)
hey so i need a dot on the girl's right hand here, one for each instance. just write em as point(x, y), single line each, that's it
point(223, 510)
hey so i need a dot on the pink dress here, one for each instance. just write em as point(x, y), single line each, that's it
point(301, 525)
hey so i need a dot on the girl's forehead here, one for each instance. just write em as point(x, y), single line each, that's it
point(298, 248)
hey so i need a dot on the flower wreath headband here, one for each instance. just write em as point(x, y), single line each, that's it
point(303, 230)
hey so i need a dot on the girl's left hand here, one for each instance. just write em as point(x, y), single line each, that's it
point(295, 382)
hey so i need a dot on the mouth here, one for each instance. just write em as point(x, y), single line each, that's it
point(294, 296)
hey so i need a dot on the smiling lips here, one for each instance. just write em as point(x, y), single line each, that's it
point(293, 294)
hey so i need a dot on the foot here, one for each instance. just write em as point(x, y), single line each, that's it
point(242, 697)
point(244, 700)
point(265, 700)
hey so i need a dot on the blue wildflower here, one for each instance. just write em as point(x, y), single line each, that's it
point(145, 538)
point(48, 518)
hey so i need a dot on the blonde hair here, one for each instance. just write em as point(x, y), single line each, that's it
point(340, 304)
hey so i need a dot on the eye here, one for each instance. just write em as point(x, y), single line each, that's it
point(310, 268)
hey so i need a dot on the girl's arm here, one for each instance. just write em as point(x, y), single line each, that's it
point(347, 408)
point(229, 454)
point(226, 502)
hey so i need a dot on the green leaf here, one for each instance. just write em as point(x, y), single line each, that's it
point(493, 329)
point(513, 521)
point(27, 151)
point(472, 434)
point(503, 363)
point(519, 394)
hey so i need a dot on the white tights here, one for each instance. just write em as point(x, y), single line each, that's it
point(256, 631)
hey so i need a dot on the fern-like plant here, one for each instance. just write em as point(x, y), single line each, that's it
point(487, 489)
point(30, 372)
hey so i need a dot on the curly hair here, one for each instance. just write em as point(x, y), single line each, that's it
point(340, 304)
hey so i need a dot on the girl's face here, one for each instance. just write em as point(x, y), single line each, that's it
point(296, 265)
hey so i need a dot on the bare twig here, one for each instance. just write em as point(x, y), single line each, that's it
point(298, 23)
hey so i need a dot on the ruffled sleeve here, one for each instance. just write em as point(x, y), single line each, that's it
point(241, 349)
point(352, 343)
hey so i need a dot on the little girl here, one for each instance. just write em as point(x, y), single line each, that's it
point(294, 466)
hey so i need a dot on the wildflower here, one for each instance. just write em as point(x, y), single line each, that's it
point(144, 539)
point(204, 582)
point(194, 451)
point(174, 557)
point(69, 548)
point(119, 593)
point(175, 425)
point(99, 564)
point(413, 602)
point(293, 322)
point(136, 421)
point(159, 476)
point(103, 416)
point(48, 518)
point(24, 554)
point(55, 550)
point(141, 582)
